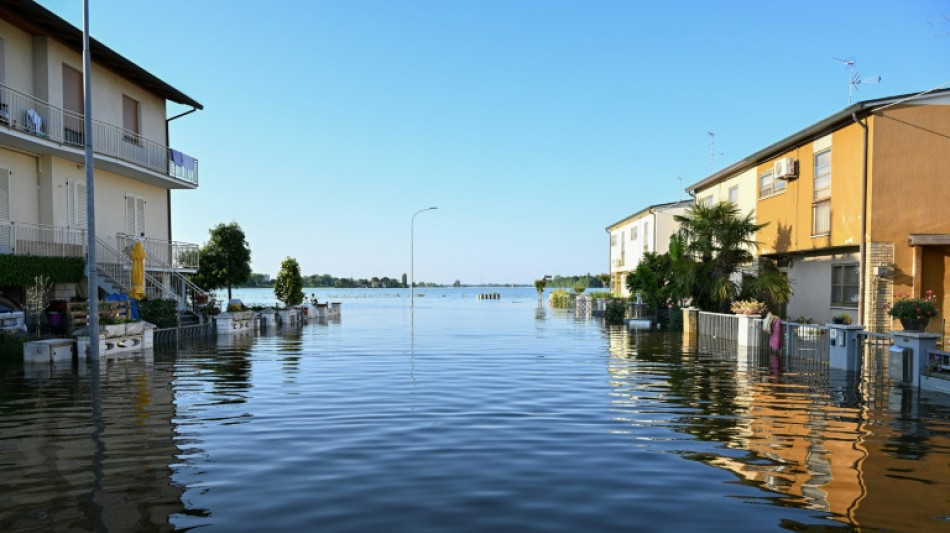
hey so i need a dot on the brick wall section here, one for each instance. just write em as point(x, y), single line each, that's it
point(878, 290)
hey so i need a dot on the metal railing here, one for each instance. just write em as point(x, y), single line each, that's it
point(156, 254)
point(718, 325)
point(26, 113)
point(117, 268)
point(23, 238)
point(161, 254)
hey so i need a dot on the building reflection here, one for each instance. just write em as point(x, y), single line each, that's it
point(64, 471)
point(837, 443)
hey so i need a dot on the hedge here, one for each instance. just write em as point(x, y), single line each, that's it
point(162, 313)
point(21, 270)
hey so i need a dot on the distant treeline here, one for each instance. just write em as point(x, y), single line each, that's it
point(328, 281)
point(569, 282)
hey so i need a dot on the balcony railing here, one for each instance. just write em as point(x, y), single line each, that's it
point(162, 255)
point(19, 238)
point(25, 113)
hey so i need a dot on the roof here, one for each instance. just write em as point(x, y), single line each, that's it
point(815, 131)
point(37, 20)
point(654, 207)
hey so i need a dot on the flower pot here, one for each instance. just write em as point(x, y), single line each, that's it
point(918, 324)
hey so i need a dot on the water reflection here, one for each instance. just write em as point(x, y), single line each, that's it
point(62, 471)
point(787, 426)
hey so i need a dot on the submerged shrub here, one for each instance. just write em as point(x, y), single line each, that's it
point(560, 299)
point(615, 313)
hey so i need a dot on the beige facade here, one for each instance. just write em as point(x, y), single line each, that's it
point(42, 142)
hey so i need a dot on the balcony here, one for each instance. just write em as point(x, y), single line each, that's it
point(20, 238)
point(32, 117)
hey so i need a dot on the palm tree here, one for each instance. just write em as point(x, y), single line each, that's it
point(718, 239)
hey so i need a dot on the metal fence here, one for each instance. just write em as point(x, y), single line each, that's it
point(718, 325)
point(807, 348)
point(169, 337)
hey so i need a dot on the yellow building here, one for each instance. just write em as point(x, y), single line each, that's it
point(854, 207)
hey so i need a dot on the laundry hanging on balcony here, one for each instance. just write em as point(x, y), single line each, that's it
point(138, 271)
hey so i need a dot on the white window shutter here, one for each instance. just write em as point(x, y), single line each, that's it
point(139, 216)
point(130, 215)
point(80, 208)
point(4, 195)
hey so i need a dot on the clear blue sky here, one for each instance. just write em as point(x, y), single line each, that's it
point(532, 125)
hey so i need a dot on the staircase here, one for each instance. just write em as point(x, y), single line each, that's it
point(114, 276)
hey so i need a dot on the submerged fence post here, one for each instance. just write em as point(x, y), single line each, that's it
point(843, 349)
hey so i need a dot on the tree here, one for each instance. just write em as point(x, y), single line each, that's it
point(604, 280)
point(288, 288)
point(405, 280)
point(225, 261)
point(717, 240)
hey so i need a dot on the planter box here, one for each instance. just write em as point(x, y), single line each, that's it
point(240, 322)
point(109, 346)
point(48, 351)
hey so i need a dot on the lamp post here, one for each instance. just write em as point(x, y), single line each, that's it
point(412, 273)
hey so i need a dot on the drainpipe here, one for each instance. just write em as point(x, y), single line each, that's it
point(610, 268)
point(864, 217)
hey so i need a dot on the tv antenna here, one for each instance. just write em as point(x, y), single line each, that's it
point(854, 78)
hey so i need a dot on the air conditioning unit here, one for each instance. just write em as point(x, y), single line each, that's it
point(785, 169)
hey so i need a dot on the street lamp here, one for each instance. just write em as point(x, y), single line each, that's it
point(412, 273)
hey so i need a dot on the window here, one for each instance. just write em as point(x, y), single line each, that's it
point(623, 239)
point(633, 233)
point(844, 285)
point(768, 185)
point(823, 175)
point(706, 200)
point(613, 240)
point(734, 195)
point(130, 119)
point(134, 215)
point(821, 218)
point(646, 238)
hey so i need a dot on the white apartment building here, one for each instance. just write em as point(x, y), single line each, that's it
point(647, 230)
point(42, 139)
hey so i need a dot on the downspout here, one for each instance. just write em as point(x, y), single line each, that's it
point(864, 217)
point(168, 192)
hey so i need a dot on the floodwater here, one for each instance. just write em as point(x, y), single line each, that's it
point(464, 415)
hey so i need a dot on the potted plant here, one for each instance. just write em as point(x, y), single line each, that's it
point(914, 313)
point(748, 307)
point(842, 318)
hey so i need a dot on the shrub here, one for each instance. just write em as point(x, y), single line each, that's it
point(599, 295)
point(162, 313)
point(560, 299)
point(615, 313)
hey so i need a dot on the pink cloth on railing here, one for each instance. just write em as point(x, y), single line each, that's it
point(776, 338)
